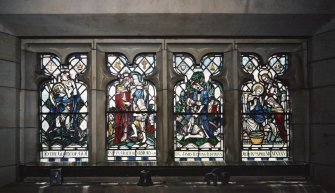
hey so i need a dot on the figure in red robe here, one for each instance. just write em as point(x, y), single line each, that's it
point(122, 116)
point(276, 108)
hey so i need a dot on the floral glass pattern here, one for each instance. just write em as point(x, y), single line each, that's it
point(63, 109)
point(265, 109)
point(198, 108)
point(131, 109)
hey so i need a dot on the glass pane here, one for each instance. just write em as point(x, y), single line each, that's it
point(77, 64)
point(212, 64)
point(198, 109)
point(118, 64)
point(50, 64)
point(250, 62)
point(278, 63)
point(182, 63)
point(131, 112)
point(145, 63)
point(63, 110)
point(265, 110)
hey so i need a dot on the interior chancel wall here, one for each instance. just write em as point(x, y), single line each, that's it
point(322, 108)
point(312, 87)
point(9, 107)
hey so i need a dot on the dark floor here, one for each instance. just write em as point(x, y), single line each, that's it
point(166, 185)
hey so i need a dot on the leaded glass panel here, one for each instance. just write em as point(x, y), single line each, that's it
point(265, 109)
point(198, 109)
point(63, 109)
point(131, 109)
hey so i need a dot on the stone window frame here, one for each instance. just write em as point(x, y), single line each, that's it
point(97, 77)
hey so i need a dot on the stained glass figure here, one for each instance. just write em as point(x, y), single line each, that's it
point(131, 109)
point(265, 109)
point(63, 109)
point(198, 109)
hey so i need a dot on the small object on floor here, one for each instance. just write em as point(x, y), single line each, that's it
point(211, 177)
point(56, 177)
point(217, 175)
point(145, 178)
point(225, 177)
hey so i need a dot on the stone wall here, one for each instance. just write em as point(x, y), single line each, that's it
point(9, 107)
point(176, 18)
point(322, 105)
point(314, 138)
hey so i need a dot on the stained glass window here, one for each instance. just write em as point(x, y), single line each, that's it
point(131, 109)
point(63, 109)
point(265, 109)
point(198, 108)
